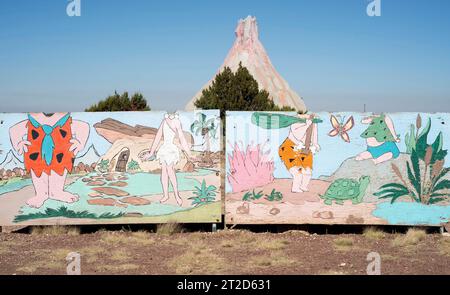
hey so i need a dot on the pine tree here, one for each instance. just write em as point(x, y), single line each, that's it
point(117, 103)
point(236, 92)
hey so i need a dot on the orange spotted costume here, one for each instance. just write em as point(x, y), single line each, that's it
point(292, 157)
point(49, 149)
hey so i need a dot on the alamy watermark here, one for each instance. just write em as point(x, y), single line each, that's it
point(73, 8)
point(374, 8)
point(374, 266)
point(74, 263)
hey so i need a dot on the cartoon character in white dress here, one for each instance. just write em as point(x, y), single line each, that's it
point(168, 153)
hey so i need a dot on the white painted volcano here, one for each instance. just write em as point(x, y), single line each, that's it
point(249, 50)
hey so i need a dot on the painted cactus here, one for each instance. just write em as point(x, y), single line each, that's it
point(249, 169)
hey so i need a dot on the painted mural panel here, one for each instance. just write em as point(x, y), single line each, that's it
point(121, 167)
point(341, 168)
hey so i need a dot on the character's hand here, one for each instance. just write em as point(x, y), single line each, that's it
point(147, 156)
point(150, 157)
point(76, 146)
point(367, 120)
point(397, 140)
point(22, 147)
point(188, 155)
point(315, 148)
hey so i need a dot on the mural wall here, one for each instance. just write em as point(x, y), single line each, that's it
point(342, 168)
point(95, 168)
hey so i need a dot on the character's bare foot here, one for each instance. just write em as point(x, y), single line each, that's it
point(297, 190)
point(64, 197)
point(378, 161)
point(363, 156)
point(164, 199)
point(304, 189)
point(384, 158)
point(37, 201)
point(179, 200)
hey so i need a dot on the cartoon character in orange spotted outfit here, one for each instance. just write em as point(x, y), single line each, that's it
point(297, 152)
point(49, 144)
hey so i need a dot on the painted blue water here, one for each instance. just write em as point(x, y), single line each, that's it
point(412, 213)
point(139, 184)
point(14, 185)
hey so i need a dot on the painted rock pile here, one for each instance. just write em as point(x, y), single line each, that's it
point(109, 185)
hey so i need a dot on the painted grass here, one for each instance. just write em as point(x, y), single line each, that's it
point(64, 212)
point(203, 214)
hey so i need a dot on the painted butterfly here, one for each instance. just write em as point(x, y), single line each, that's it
point(339, 128)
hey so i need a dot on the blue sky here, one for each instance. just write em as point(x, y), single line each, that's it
point(330, 52)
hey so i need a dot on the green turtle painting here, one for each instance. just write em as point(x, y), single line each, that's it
point(346, 189)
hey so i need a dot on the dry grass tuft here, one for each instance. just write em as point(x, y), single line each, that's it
point(411, 238)
point(373, 233)
point(331, 273)
point(7, 246)
point(54, 260)
point(178, 241)
point(275, 259)
point(226, 244)
point(140, 238)
point(27, 269)
point(244, 237)
point(58, 254)
point(169, 228)
point(343, 244)
point(117, 268)
point(269, 244)
point(55, 230)
point(387, 257)
point(120, 255)
point(89, 254)
point(444, 246)
point(296, 232)
point(4, 250)
point(198, 261)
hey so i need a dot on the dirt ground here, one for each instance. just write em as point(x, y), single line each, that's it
point(304, 208)
point(225, 252)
